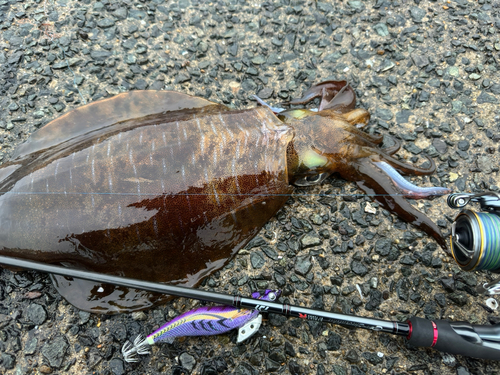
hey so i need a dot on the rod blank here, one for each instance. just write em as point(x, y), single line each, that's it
point(454, 338)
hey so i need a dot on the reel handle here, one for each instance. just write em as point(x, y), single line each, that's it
point(490, 288)
point(489, 200)
point(456, 338)
point(458, 200)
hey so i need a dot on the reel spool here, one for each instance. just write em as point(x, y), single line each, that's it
point(475, 236)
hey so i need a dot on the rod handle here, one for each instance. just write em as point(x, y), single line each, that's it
point(443, 336)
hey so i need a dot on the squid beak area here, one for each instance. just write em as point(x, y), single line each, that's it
point(343, 101)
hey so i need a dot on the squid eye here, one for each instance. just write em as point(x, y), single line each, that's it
point(313, 179)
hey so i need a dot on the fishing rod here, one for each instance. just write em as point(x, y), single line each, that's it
point(479, 341)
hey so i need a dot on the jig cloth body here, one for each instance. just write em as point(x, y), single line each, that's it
point(203, 321)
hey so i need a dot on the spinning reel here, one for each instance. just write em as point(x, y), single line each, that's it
point(475, 236)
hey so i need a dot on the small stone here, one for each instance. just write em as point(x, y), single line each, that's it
point(411, 147)
point(449, 360)
point(352, 356)
point(310, 239)
point(486, 98)
point(117, 366)
point(270, 252)
point(407, 260)
point(440, 299)
point(141, 84)
point(84, 316)
point(462, 371)
point(440, 146)
point(339, 370)
point(105, 22)
point(252, 71)
point(430, 308)
point(36, 313)
point(245, 369)
point(495, 88)
point(55, 350)
point(187, 361)
point(383, 246)
point(265, 93)
point(373, 358)
point(453, 71)
point(384, 114)
point(44, 369)
point(38, 114)
point(182, 77)
point(7, 361)
point(100, 55)
point(381, 29)
point(421, 61)
point(258, 60)
point(257, 259)
point(376, 298)
point(289, 350)
point(417, 14)
point(402, 289)
point(130, 59)
point(453, 176)
point(256, 242)
point(334, 341)
point(277, 320)
point(30, 346)
point(13, 107)
point(359, 268)
point(120, 13)
point(271, 365)
point(459, 298)
point(303, 265)
point(249, 85)
point(139, 315)
point(403, 116)
point(463, 145)
point(355, 4)
point(233, 49)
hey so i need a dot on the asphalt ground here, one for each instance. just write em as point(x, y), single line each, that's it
point(427, 71)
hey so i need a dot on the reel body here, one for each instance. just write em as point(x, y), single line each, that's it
point(475, 236)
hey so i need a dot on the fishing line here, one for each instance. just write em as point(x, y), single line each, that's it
point(203, 194)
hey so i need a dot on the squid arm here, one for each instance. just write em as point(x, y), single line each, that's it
point(374, 181)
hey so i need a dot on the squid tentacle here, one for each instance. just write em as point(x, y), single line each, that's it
point(263, 103)
point(391, 150)
point(408, 189)
point(373, 181)
point(371, 139)
point(314, 91)
point(407, 168)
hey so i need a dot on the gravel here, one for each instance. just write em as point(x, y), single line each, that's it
point(428, 73)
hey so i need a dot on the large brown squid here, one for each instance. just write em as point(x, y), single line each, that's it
point(167, 187)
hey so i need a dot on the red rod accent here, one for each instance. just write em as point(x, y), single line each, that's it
point(411, 330)
point(435, 339)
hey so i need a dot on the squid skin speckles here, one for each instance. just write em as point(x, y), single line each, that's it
point(167, 187)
